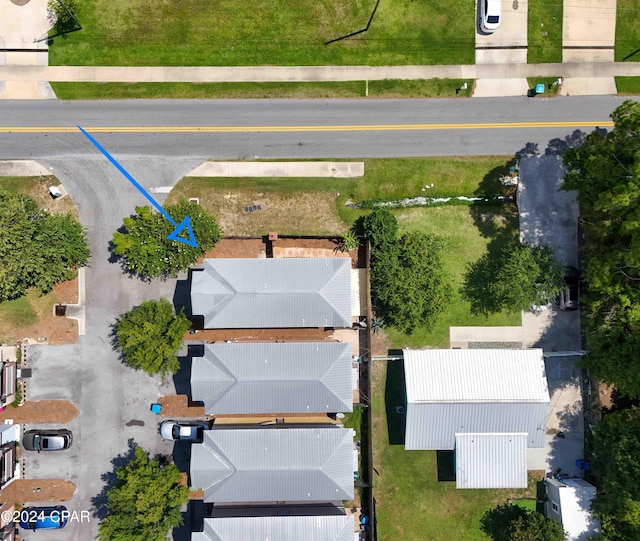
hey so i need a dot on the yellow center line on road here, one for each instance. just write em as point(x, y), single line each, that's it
point(259, 129)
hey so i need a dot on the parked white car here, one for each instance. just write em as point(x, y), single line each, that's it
point(490, 13)
point(184, 431)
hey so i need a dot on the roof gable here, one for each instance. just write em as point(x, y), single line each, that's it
point(475, 375)
point(278, 528)
point(274, 464)
point(273, 377)
point(269, 293)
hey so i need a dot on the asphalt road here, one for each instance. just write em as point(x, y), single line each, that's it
point(109, 395)
point(294, 113)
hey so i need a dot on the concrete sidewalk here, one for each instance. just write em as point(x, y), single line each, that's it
point(209, 74)
point(588, 35)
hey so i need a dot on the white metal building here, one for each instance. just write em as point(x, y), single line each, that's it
point(569, 501)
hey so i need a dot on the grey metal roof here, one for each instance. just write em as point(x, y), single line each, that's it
point(279, 528)
point(474, 391)
point(291, 377)
point(475, 375)
point(271, 293)
point(491, 460)
point(433, 425)
point(274, 464)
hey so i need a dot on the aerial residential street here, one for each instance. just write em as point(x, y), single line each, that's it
point(290, 142)
point(110, 395)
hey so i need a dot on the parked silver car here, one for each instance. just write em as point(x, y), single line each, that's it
point(47, 440)
point(183, 431)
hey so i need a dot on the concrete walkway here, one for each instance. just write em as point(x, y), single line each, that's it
point(279, 169)
point(23, 42)
point(209, 74)
point(588, 35)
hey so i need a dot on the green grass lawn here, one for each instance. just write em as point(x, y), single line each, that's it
point(273, 32)
point(423, 88)
point(465, 243)
point(550, 89)
point(317, 205)
point(412, 505)
point(628, 85)
point(627, 31)
point(544, 31)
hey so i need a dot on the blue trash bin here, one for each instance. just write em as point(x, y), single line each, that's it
point(156, 408)
point(540, 88)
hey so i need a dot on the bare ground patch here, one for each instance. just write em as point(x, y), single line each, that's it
point(41, 411)
point(21, 491)
point(295, 213)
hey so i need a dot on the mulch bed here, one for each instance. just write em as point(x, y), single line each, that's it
point(177, 405)
point(21, 491)
point(41, 411)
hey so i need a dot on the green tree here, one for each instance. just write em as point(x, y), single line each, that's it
point(145, 503)
point(515, 278)
point(408, 280)
point(513, 523)
point(37, 249)
point(615, 448)
point(62, 15)
point(380, 227)
point(150, 335)
point(606, 172)
point(144, 246)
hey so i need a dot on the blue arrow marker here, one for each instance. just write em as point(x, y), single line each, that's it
point(185, 225)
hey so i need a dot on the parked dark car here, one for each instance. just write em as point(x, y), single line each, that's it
point(47, 440)
point(44, 518)
point(569, 296)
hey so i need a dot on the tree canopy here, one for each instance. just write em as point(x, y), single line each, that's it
point(615, 448)
point(150, 335)
point(513, 523)
point(408, 280)
point(145, 249)
point(145, 503)
point(37, 249)
point(518, 276)
point(606, 172)
point(380, 227)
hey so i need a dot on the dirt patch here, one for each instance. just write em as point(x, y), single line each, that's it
point(380, 343)
point(41, 411)
point(293, 214)
point(258, 247)
point(177, 405)
point(39, 191)
point(67, 292)
point(43, 327)
point(21, 491)
point(605, 395)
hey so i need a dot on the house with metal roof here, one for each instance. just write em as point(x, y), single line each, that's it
point(274, 465)
point(489, 405)
point(289, 377)
point(569, 501)
point(273, 293)
point(277, 528)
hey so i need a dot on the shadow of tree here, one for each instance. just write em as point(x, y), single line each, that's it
point(99, 503)
point(395, 402)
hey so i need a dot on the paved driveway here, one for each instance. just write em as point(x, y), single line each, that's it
point(113, 400)
point(550, 216)
point(507, 45)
